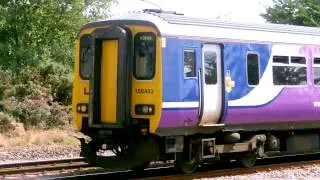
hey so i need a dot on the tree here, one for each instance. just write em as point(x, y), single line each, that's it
point(294, 12)
point(96, 9)
point(37, 39)
point(35, 31)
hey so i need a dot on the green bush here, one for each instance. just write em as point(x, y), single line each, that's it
point(1, 106)
point(60, 80)
point(37, 113)
point(5, 121)
point(2, 89)
point(62, 89)
point(38, 97)
point(6, 81)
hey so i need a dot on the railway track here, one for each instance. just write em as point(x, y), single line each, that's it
point(265, 165)
point(205, 171)
point(42, 166)
point(236, 171)
point(77, 168)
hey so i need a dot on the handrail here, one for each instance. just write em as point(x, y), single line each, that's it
point(200, 93)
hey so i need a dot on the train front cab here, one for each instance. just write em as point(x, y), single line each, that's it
point(117, 91)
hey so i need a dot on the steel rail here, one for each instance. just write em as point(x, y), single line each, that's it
point(238, 171)
point(168, 173)
point(45, 165)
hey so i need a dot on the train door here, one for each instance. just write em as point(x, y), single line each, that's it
point(211, 99)
point(109, 84)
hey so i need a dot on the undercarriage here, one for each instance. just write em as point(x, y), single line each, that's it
point(125, 149)
point(136, 150)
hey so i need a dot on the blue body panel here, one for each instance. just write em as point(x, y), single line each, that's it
point(177, 88)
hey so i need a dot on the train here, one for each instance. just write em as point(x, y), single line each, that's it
point(157, 85)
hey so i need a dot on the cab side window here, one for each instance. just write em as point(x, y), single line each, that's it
point(86, 57)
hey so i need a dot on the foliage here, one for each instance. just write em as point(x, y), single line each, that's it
point(38, 97)
point(34, 31)
point(295, 12)
point(36, 58)
point(60, 79)
point(5, 120)
point(98, 9)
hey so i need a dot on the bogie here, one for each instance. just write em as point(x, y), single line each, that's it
point(188, 160)
point(247, 159)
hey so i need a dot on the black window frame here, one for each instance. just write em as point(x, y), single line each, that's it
point(258, 59)
point(194, 62)
point(314, 66)
point(297, 62)
point(287, 59)
point(82, 76)
point(154, 52)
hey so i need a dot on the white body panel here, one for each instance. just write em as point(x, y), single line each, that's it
point(212, 95)
point(178, 25)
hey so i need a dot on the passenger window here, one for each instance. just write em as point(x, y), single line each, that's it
point(144, 64)
point(86, 57)
point(281, 59)
point(316, 71)
point(293, 73)
point(210, 67)
point(253, 69)
point(298, 60)
point(189, 63)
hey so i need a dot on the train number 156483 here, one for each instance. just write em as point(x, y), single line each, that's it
point(144, 91)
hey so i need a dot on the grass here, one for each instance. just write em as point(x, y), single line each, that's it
point(38, 137)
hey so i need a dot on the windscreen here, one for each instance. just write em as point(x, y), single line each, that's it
point(144, 66)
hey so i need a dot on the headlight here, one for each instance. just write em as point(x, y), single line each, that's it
point(144, 109)
point(82, 108)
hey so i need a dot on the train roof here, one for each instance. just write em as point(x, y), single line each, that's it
point(175, 24)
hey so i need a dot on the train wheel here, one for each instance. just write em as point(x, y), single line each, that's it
point(140, 168)
point(248, 159)
point(120, 150)
point(187, 162)
point(88, 150)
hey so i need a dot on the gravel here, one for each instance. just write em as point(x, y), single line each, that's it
point(36, 152)
point(304, 172)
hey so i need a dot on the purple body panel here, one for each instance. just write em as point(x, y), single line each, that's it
point(291, 105)
point(178, 118)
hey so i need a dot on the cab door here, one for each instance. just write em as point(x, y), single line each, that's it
point(110, 83)
point(211, 84)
